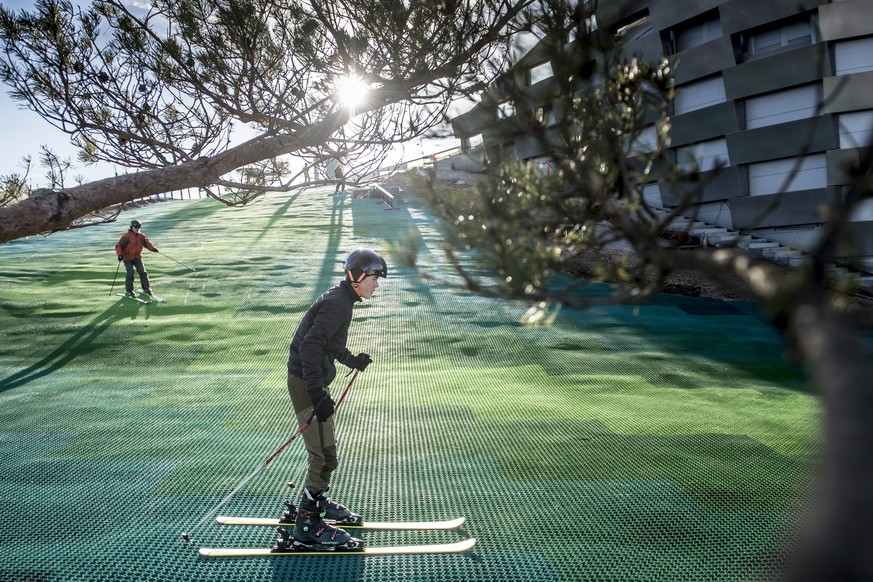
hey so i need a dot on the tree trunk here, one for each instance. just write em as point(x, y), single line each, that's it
point(50, 210)
point(838, 541)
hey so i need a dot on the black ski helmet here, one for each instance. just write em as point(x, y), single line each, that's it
point(363, 262)
point(135, 223)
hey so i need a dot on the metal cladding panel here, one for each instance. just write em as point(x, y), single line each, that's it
point(472, 122)
point(785, 209)
point(841, 164)
point(787, 175)
point(505, 129)
point(528, 146)
point(782, 141)
point(861, 235)
point(779, 107)
point(704, 124)
point(741, 15)
point(541, 93)
point(789, 69)
point(699, 95)
point(856, 129)
point(704, 60)
point(721, 184)
point(649, 48)
point(853, 56)
point(671, 194)
point(846, 19)
point(667, 13)
point(608, 13)
point(848, 92)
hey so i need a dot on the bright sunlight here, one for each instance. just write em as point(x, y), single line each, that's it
point(351, 90)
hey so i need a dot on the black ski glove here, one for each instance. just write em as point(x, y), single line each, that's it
point(361, 361)
point(120, 258)
point(324, 407)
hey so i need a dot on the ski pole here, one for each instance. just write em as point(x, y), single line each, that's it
point(114, 278)
point(180, 262)
point(187, 535)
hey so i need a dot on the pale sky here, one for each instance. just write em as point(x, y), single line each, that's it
point(24, 132)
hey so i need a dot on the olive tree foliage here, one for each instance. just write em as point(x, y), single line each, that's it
point(209, 93)
point(525, 229)
point(14, 186)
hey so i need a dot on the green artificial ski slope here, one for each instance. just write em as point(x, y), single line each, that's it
point(666, 442)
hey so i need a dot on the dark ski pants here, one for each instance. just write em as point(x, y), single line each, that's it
point(143, 275)
point(319, 437)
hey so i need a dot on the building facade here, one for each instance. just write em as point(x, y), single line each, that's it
point(756, 83)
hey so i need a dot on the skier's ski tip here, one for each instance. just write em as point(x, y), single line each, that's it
point(152, 295)
point(134, 297)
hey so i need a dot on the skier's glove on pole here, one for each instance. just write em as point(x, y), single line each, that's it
point(324, 407)
point(120, 258)
point(361, 361)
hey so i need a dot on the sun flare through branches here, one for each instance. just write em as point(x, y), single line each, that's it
point(351, 91)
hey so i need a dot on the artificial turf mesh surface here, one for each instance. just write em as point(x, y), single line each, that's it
point(666, 442)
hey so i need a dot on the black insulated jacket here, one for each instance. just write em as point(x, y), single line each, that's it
point(321, 338)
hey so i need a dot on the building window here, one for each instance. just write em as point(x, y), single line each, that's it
point(854, 56)
point(788, 175)
point(789, 35)
point(784, 106)
point(589, 25)
point(856, 130)
point(863, 212)
point(545, 164)
point(703, 156)
point(539, 73)
point(646, 142)
point(505, 110)
point(545, 116)
point(471, 143)
point(652, 195)
point(696, 33)
point(508, 152)
point(633, 27)
point(698, 95)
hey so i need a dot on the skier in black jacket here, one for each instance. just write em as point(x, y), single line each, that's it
point(320, 340)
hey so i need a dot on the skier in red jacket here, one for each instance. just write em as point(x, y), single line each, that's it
point(129, 249)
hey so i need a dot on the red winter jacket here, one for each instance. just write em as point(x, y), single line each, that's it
point(130, 245)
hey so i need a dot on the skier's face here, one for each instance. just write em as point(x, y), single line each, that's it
point(368, 286)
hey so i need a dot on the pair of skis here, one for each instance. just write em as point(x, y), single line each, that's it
point(282, 550)
point(139, 299)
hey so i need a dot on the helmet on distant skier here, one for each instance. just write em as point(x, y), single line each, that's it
point(135, 224)
point(361, 263)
